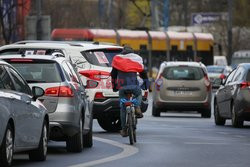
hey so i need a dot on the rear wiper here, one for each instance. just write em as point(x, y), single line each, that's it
point(35, 81)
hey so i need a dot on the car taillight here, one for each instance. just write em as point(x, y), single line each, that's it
point(244, 85)
point(59, 91)
point(158, 83)
point(222, 76)
point(95, 74)
point(145, 94)
point(207, 82)
point(91, 84)
point(99, 95)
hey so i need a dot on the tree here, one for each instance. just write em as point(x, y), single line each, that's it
point(9, 10)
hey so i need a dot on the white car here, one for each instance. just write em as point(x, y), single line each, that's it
point(93, 62)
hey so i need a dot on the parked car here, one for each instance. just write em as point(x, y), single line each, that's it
point(232, 99)
point(93, 62)
point(65, 96)
point(24, 120)
point(217, 73)
point(182, 86)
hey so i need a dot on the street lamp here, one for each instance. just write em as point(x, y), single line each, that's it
point(229, 31)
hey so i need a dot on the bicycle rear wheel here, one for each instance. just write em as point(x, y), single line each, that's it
point(130, 129)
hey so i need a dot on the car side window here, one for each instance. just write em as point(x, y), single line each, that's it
point(238, 74)
point(20, 84)
point(6, 81)
point(230, 77)
point(75, 76)
point(68, 72)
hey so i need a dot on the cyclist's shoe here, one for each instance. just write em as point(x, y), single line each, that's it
point(138, 112)
point(124, 133)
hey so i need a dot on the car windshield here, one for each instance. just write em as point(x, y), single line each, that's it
point(38, 72)
point(182, 73)
point(215, 69)
point(101, 57)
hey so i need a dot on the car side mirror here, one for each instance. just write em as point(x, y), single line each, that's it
point(37, 92)
point(222, 82)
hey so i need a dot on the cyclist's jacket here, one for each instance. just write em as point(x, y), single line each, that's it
point(125, 69)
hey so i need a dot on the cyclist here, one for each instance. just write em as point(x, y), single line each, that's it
point(124, 77)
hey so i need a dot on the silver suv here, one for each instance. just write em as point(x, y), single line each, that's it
point(182, 86)
point(65, 96)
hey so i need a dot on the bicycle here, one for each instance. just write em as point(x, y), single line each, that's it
point(131, 120)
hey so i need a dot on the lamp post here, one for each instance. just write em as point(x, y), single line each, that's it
point(229, 31)
point(38, 20)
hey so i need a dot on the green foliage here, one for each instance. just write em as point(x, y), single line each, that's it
point(241, 13)
point(135, 16)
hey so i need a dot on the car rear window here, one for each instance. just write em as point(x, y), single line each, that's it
point(102, 57)
point(183, 73)
point(215, 69)
point(38, 72)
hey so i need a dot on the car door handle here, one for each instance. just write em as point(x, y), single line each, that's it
point(28, 102)
point(12, 98)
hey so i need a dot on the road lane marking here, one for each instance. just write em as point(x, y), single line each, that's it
point(201, 143)
point(127, 151)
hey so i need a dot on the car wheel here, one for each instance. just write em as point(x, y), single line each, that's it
point(155, 112)
point(7, 148)
point(237, 122)
point(75, 143)
point(206, 113)
point(88, 138)
point(217, 118)
point(110, 125)
point(40, 153)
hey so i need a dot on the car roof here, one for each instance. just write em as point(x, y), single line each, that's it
point(83, 46)
point(188, 63)
point(246, 65)
point(37, 57)
point(215, 66)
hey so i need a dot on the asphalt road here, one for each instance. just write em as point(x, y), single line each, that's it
point(173, 140)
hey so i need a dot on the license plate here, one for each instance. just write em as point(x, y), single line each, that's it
point(182, 93)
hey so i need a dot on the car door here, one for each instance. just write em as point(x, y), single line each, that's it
point(231, 88)
point(30, 117)
point(82, 97)
point(222, 94)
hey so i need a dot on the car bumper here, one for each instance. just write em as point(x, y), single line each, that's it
point(112, 106)
point(183, 106)
point(63, 124)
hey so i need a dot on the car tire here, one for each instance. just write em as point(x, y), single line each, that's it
point(206, 113)
point(113, 125)
point(217, 118)
point(75, 143)
point(7, 148)
point(237, 122)
point(88, 138)
point(155, 112)
point(40, 153)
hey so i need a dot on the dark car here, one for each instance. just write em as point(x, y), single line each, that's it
point(232, 99)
